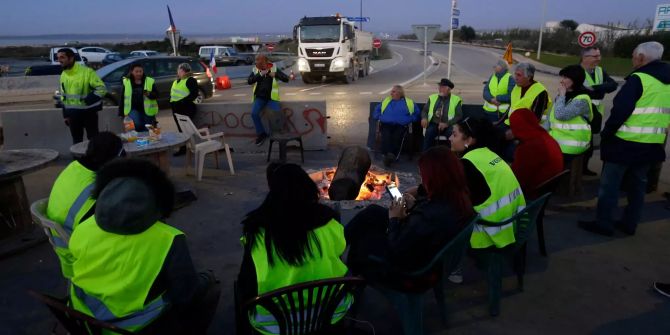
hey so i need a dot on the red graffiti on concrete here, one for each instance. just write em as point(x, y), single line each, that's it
point(312, 118)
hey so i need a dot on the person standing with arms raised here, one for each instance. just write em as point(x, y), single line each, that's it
point(264, 77)
point(81, 96)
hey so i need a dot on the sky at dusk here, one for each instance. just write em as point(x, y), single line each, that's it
point(37, 17)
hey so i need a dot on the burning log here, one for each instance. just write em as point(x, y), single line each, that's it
point(352, 168)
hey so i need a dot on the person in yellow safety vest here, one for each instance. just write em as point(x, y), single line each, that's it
point(571, 113)
point(139, 98)
point(289, 239)
point(633, 139)
point(442, 110)
point(131, 269)
point(183, 93)
point(494, 190)
point(81, 92)
point(497, 91)
point(265, 92)
point(529, 94)
point(394, 114)
point(598, 83)
point(70, 201)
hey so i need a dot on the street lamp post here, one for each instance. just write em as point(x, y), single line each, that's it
point(361, 27)
point(539, 43)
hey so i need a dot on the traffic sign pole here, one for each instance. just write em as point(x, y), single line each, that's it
point(425, 52)
point(451, 38)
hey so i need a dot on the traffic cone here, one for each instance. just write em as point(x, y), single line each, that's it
point(292, 75)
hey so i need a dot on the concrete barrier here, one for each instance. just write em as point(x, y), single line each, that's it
point(44, 128)
point(11, 86)
point(307, 118)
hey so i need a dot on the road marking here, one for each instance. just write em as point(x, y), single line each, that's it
point(315, 93)
point(291, 93)
point(239, 95)
point(392, 65)
point(313, 88)
point(216, 95)
point(365, 93)
point(340, 93)
point(428, 72)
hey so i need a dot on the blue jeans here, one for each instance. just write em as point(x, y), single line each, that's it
point(140, 119)
point(432, 132)
point(608, 194)
point(256, 110)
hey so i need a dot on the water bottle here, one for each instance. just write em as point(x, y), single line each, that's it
point(128, 124)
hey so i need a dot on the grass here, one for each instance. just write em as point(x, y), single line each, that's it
point(614, 66)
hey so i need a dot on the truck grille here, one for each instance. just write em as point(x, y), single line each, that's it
point(319, 53)
point(319, 65)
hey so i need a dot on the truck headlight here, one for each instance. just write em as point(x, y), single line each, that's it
point(303, 65)
point(338, 64)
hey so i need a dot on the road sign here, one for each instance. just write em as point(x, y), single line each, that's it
point(586, 39)
point(455, 12)
point(662, 18)
point(358, 18)
point(429, 33)
point(376, 43)
point(271, 47)
point(454, 23)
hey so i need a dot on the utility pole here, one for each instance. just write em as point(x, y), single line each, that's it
point(539, 43)
point(451, 37)
point(361, 27)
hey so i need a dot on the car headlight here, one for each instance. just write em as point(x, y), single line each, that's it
point(337, 65)
point(303, 65)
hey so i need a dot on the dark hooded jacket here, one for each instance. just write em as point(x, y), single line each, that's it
point(130, 199)
point(612, 148)
point(537, 157)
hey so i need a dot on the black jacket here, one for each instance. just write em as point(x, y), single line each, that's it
point(137, 98)
point(264, 83)
point(616, 150)
point(186, 106)
point(608, 86)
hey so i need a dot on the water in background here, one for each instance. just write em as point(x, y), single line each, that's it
point(94, 39)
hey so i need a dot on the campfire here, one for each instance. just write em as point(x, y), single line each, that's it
point(373, 188)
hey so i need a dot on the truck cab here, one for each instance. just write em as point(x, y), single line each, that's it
point(331, 47)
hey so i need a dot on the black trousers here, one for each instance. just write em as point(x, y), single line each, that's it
point(83, 120)
point(392, 135)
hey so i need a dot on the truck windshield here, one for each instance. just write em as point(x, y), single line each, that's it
point(325, 33)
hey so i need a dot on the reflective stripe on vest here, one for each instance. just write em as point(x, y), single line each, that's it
point(134, 320)
point(590, 82)
point(76, 207)
point(408, 101)
point(650, 119)
point(497, 88)
point(75, 85)
point(179, 90)
point(453, 102)
point(574, 135)
point(150, 105)
point(110, 286)
point(526, 101)
point(505, 201)
point(274, 94)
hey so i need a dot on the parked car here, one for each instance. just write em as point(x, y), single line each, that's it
point(115, 57)
point(224, 55)
point(144, 53)
point(163, 69)
point(94, 54)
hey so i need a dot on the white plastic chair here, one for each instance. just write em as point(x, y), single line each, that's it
point(38, 209)
point(201, 143)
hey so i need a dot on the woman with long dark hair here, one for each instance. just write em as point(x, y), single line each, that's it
point(412, 230)
point(494, 190)
point(139, 98)
point(290, 238)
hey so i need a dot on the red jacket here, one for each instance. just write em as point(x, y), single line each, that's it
point(537, 157)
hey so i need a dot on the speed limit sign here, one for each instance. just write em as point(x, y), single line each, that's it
point(586, 39)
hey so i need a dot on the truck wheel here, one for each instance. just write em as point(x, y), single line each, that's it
point(349, 75)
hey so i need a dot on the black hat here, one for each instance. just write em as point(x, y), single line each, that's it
point(446, 82)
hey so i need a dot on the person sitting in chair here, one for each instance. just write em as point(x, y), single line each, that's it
point(442, 110)
point(289, 239)
point(395, 113)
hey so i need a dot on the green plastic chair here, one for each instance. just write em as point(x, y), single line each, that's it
point(409, 303)
point(491, 260)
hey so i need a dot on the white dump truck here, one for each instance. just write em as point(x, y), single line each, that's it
point(332, 47)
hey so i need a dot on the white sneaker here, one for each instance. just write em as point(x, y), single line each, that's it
point(456, 277)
